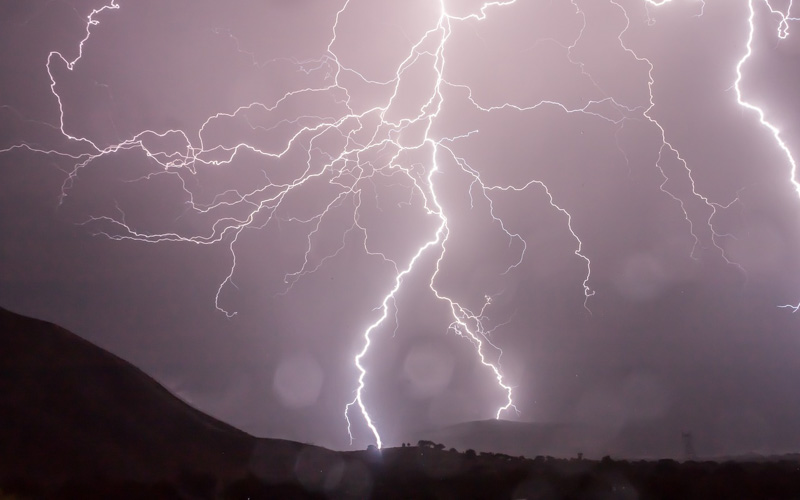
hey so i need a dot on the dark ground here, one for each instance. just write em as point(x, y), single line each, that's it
point(426, 473)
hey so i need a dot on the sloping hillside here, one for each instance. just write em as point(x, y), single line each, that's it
point(71, 409)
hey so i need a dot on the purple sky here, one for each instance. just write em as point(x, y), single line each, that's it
point(277, 168)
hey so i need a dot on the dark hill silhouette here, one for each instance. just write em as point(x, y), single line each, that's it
point(70, 410)
point(78, 422)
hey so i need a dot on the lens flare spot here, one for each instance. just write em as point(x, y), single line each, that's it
point(298, 381)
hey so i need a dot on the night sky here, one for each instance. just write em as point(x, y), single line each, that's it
point(224, 193)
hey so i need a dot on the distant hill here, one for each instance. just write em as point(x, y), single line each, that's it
point(70, 410)
point(647, 439)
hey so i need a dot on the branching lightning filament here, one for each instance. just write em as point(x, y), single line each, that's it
point(351, 146)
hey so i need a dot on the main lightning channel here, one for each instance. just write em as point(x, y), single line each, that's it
point(460, 314)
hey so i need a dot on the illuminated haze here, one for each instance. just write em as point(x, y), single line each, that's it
point(236, 198)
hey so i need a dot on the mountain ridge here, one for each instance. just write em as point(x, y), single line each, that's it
point(641, 440)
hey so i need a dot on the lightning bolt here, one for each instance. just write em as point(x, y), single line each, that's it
point(782, 33)
point(350, 149)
